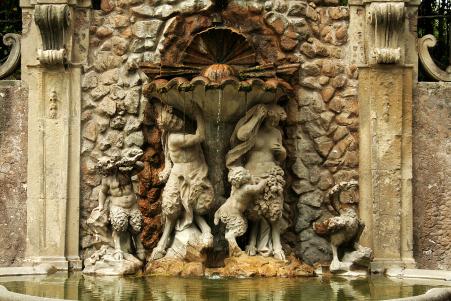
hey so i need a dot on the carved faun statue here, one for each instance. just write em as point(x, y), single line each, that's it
point(188, 194)
point(257, 146)
point(117, 218)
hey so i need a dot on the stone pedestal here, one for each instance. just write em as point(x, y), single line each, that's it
point(385, 94)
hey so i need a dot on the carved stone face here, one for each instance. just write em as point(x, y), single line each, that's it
point(167, 120)
point(106, 165)
point(276, 114)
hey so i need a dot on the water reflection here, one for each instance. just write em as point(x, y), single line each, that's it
point(82, 287)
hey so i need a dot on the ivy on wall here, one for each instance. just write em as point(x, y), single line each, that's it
point(10, 22)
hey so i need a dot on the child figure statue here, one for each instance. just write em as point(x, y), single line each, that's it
point(231, 212)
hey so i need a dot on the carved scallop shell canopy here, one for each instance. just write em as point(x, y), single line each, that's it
point(228, 82)
point(219, 47)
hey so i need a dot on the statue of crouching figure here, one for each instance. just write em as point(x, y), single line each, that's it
point(117, 218)
point(344, 230)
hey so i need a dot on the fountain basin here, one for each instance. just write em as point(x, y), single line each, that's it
point(224, 101)
point(75, 286)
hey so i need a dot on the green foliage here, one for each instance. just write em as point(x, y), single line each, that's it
point(434, 17)
point(10, 21)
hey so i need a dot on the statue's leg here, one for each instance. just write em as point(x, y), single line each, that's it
point(335, 264)
point(135, 223)
point(251, 249)
point(234, 249)
point(207, 237)
point(277, 245)
point(264, 242)
point(119, 255)
point(119, 222)
point(140, 252)
point(160, 250)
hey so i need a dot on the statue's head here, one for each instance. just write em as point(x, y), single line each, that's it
point(275, 114)
point(239, 176)
point(168, 120)
point(106, 165)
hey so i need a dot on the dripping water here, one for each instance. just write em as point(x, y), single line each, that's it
point(184, 114)
point(218, 121)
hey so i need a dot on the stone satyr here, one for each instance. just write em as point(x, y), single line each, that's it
point(118, 206)
point(188, 193)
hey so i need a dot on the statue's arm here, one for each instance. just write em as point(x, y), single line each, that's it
point(187, 140)
point(245, 130)
point(256, 188)
point(103, 194)
point(280, 152)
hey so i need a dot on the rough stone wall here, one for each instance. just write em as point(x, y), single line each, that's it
point(322, 136)
point(321, 132)
point(432, 176)
point(13, 172)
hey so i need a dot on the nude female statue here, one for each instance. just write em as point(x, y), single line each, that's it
point(188, 193)
point(257, 145)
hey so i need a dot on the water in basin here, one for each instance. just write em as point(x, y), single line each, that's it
point(81, 287)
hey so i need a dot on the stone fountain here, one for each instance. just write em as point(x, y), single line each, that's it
point(220, 85)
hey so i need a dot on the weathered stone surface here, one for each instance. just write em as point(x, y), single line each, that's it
point(432, 176)
point(258, 266)
point(90, 131)
point(99, 92)
point(307, 215)
point(323, 145)
point(312, 248)
point(90, 80)
point(300, 170)
point(13, 172)
point(174, 267)
point(313, 198)
point(302, 186)
point(146, 29)
point(107, 106)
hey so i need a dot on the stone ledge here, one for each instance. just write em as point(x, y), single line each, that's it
point(6, 295)
point(419, 273)
point(42, 269)
point(434, 294)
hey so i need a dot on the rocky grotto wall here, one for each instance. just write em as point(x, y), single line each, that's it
point(13, 172)
point(321, 131)
point(432, 166)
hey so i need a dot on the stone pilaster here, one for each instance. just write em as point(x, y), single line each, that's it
point(386, 76)
point(51, 68)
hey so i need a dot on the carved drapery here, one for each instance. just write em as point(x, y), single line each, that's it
point(53, 21)
point(428, 63)
point(387, 20)
point(8, 67)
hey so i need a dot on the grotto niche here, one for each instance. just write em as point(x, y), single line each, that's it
point(245, 132)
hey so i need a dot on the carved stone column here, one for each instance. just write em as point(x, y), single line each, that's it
point(386, 78)
point(51, 60)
